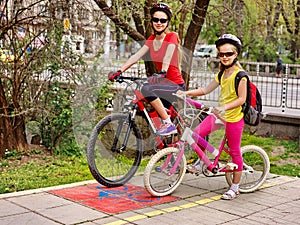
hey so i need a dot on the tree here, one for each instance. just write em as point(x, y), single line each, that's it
point(291, 14)
point(36, 64)
point(192, 35)
point(140, 15)
point(278, 25)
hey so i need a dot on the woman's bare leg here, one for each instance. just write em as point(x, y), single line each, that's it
point(160, 109)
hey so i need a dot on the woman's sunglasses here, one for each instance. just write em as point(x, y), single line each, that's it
point(161, 20)
point(227, 54)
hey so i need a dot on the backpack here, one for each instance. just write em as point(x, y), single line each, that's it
point(252, 108)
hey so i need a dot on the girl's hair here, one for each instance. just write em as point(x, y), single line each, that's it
point(180, 53)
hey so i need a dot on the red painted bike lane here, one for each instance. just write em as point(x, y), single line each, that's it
point(111, 200)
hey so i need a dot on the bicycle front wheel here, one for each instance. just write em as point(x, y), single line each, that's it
point(255, 168)
point(114, 151)
point(158, 178)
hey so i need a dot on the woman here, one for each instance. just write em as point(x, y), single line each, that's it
point(163, 48)
point(230, 105)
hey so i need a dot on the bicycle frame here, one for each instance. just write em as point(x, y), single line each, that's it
point(201, 143)
point(187, 137)
point(139, 104)
point(152, 117)
point(211, 166)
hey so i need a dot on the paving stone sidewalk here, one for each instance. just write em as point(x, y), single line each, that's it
point(198, 202)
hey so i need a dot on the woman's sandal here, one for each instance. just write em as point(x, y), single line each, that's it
point(230, 195)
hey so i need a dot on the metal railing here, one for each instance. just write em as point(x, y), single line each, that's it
point(276, 92)
point(279, 92)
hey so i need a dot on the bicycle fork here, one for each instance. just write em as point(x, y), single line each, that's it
point(171, 159)
point(119, 130)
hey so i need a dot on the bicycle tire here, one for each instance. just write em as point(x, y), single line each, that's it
point(255, 170)
point(159, 183)
point(109, 167)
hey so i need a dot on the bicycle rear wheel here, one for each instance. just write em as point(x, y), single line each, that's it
point(114, 151)
point(255, 169)
point(157, 180)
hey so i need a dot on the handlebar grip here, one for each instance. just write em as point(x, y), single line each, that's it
point(112, 76)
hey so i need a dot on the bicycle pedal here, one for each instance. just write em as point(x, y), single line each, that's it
point(231, 166)
point(197, 173)
point(158, 169)
point(193, 173)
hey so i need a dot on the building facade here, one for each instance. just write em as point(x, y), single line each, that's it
point(81, 21)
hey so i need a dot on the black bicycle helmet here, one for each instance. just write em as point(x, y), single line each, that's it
point(231, 39)
point(161, 7)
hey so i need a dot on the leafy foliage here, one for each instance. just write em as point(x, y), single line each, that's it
point(40, 83)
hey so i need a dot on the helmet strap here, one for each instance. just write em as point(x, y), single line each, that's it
point(159, 32)
point(233, 62)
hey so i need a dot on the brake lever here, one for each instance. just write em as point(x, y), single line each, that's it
point(119, 79)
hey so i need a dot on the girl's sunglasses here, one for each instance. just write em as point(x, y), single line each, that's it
point(227, 54)
point(161, 20)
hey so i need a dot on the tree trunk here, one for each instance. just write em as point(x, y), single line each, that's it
point(191, 37)
point(295, 41)
point(296, 45)
point(119, 22)
point(225, 16)
point(12, 128)
point(239, 18)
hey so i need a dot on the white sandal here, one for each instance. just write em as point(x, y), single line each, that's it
point(230, 195)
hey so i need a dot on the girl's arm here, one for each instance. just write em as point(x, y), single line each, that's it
point(134, 58)
point(203, 91)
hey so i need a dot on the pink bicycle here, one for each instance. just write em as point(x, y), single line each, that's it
point(166, 169)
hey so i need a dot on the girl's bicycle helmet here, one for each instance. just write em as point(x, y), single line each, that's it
point(161, 7)
point(231, 39)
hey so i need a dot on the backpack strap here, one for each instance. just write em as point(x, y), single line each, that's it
point(238, 78)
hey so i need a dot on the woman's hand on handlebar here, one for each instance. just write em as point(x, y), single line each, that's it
point(114, 75)
point(157, 77)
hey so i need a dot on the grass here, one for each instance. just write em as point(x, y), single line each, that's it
point(36, 169)
point(284, 155)
point(40, 170)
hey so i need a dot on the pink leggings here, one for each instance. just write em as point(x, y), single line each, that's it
point(233, 132)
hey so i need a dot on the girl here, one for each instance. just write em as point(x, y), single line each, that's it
point(230, 105)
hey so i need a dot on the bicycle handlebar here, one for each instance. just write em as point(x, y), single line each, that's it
point(121, 79)
point(194, 103)
point(207, 109)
